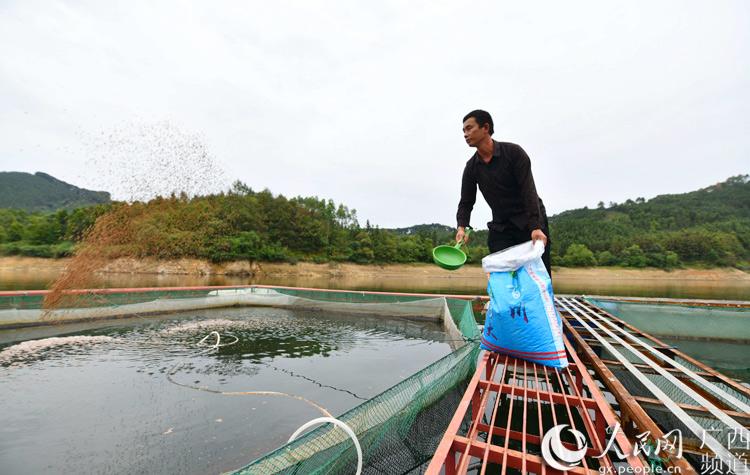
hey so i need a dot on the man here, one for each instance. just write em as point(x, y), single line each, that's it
point(502, 171)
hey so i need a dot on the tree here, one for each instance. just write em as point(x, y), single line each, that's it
point(671, 260)
point(606, 258)
point(476, 253)
point(556, 259)
point(15, 232)
point(246, 245)
point(240, 188)
point(409, 249)
point(578, 255)
point(706, 227)
point(44, 229)
point(384, 244)
point(634, 256)
point(362, 251)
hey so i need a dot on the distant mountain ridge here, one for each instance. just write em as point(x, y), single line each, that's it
point(722, 201)
point(725, 200)
point(43, 192)
point(710, 225)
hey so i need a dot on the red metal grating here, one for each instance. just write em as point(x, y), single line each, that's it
point(511, 404)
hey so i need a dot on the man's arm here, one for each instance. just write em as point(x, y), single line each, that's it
point(468, 198)
point(522, 170)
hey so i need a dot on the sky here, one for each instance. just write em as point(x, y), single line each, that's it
point(362, 102)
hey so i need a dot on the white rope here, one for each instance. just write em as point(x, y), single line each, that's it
point(171, 372)
point(334, 421)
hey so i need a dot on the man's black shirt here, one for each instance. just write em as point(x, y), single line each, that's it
point(507, 185)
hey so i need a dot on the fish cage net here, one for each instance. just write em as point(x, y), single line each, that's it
point(680, 321)
point(709, 413)
point(398, 430)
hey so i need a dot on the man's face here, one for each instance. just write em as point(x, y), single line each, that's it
point(473, 134)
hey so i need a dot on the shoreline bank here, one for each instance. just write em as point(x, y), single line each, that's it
point(200, 267)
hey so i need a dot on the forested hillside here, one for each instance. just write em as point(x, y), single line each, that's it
point(708, 227)
point(42, 192)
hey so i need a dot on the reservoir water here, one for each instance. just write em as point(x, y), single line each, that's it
point(725, 289)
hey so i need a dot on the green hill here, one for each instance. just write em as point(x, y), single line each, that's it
point(710, 226)
point(42, 192)
point(707, 227)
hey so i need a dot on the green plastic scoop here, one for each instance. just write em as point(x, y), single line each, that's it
point(450, 257)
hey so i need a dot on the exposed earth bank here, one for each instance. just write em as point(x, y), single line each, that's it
point(259, 269)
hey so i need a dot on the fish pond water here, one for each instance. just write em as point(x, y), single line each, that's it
point(144, 395)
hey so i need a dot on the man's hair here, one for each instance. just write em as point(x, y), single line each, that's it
point(482, 118)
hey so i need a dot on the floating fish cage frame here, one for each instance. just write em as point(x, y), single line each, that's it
point(444, 420)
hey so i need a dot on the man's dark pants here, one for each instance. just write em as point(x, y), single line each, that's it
point(511, 236)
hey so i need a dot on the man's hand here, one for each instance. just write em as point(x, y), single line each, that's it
point(461, 235)
point(538, 235)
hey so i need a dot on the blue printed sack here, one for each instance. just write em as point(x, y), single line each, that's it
point(522, 320)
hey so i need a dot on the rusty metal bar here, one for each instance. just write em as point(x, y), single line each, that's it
point(632, 413)
point(558, 398)
point(539, 411)
point(670, 301)
point(514, 457)
point(607, 417)
point(725, 455)
point(464, 460)
point(709, 391)
point(570, 413)
point(493, 418)
point(510, 420)
point(523, 429)
point(557, 390)
point(703, 367)
point(648, 370)
point(700, 411)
